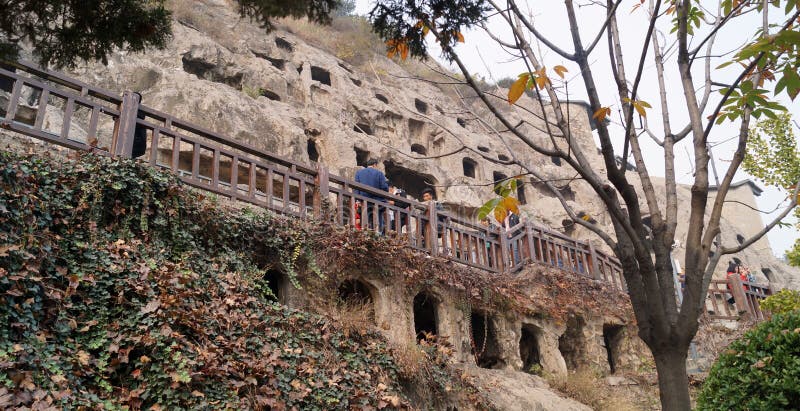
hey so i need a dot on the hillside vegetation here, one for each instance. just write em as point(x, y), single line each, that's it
point(121, 288)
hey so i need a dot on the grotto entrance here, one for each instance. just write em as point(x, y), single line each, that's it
point(425, 315)
point(571, 343)
point(411, 181)
point(355, 291)
point(529, 348)
point(276, 281)
point(355, 294)
point(612, 339)
point(485, 347)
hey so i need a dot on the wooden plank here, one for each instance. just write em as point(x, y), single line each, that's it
point(195, 160)
point(176, 151)
point(13, 101)
point(215, 168)
point(154, 147)
point(270, 187)
point(42, 111)
point(251, 186)
point(235, 175)
point(69, 109)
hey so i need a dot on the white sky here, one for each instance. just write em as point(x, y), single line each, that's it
point(480, 51)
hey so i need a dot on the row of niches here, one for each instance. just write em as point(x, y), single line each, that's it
point(485, 332)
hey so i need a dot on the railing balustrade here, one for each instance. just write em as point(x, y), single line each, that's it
point(57, 109)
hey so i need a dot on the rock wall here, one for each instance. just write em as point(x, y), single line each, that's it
point(485, 335)
point(281, 94)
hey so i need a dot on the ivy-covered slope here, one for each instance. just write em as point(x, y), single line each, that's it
point(121, 288)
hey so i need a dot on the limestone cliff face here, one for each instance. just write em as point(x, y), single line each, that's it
point(284, 95)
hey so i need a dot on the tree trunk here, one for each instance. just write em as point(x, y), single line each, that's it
point(673, 382)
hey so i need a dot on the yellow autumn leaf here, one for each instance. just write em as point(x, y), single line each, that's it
point(460, 37)
point(396, 47)
point(541, 78)
point(516, 89)
point(391, 48)
point(601, 113)
point(560, 70)
point(511, 203)
point(639, 109)
point(638, 105)
point(500, 212)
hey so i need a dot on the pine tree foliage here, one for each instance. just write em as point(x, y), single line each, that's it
point(63, 32)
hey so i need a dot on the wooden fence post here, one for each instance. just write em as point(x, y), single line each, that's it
point(431, 237)
point(504, 255)
point(737, 290)
point(321, 190)
point(122, 144)
point(593, 263)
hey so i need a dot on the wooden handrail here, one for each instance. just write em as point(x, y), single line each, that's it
point(214, 162)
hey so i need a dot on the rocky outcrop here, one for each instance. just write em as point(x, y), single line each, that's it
point(281, 94)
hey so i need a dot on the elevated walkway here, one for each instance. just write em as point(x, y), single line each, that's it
point(60, 110)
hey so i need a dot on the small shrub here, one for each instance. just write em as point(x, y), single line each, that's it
point(759, 371)
point(586, 386)
point(582, 385)
point(535, 369)
point(782, 302)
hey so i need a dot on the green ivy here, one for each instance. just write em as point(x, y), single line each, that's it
point(143, 294)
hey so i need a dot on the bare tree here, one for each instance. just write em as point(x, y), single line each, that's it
point(685, 30)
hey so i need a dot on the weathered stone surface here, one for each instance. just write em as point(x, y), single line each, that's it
point(276, 92)
point(615, 380)
point(515, 391)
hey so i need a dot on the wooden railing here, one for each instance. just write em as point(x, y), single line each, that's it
point(57, 109)
point(731, 298)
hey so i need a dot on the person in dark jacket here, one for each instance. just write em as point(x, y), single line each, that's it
point(139, 133)
point(371, 176)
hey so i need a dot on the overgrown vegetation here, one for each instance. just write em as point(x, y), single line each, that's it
point(784, 301)
point(586, 386)
point(759, 371)
point(120, 288)
point(349, 38)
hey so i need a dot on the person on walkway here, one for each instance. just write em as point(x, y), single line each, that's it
point(371, 176)
point(139, 133)
point(744, 275)
point(427, 198)
point(401, 226)
point(510, 223)
point(732, 268)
